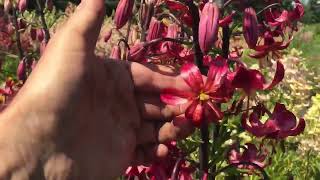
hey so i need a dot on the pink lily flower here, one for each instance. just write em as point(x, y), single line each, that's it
point(203, 97)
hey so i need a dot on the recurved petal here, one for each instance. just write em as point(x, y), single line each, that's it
point(279, 75)
point(192, 76)
point(195, 113)
point(175, 97)
point(217, 72)
point(214, 111)
point(256, 131)
point(299, 129)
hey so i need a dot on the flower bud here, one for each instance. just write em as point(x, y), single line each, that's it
point(33, 34)
point(115, 53)
point(146, 13)
point(107, 36)
point(250, 27)
point(137, 52)
point(7, 6)
point(21, 71)
point(208, 26)
point(22, 5)
point(49, 4)
point(155, 29)
point(40, 34)
point(21, 24)
point(123, 12)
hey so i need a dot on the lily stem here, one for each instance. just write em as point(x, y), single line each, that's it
point(17, 33)
point(198, 57)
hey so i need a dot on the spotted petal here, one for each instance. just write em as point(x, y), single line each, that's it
point(279, 75)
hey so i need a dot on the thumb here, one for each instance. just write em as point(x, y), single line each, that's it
point(86, 22)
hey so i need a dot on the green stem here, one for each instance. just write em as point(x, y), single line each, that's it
point(17, 33)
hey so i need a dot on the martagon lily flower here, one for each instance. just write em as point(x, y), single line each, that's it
point(251, 80)
point(250, 155)
point(281, 124)
point(203, 97)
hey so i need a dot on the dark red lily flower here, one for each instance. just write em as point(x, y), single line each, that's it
point(297, 12)
point(281, 124)
point(251, 80)
point(250, 155)
point(9, 88)
point(270, 45)
point(176, 6)
point(226, 21)
point(202, 96)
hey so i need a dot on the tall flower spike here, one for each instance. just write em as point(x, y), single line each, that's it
point(123, 12)
point(208, 26)
point(250, 27)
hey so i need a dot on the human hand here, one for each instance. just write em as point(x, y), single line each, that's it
point(79, 117)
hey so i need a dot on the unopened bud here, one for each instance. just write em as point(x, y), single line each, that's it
point(22, 5)
point(250, 27)
point(7, 6)
point(208, 26)
point(33, 34)
point(115, 53)
point(21, 71)
point(49, 4)
point(155, 29)
point(107, 36)
point(40, 34)
point(123, 12)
